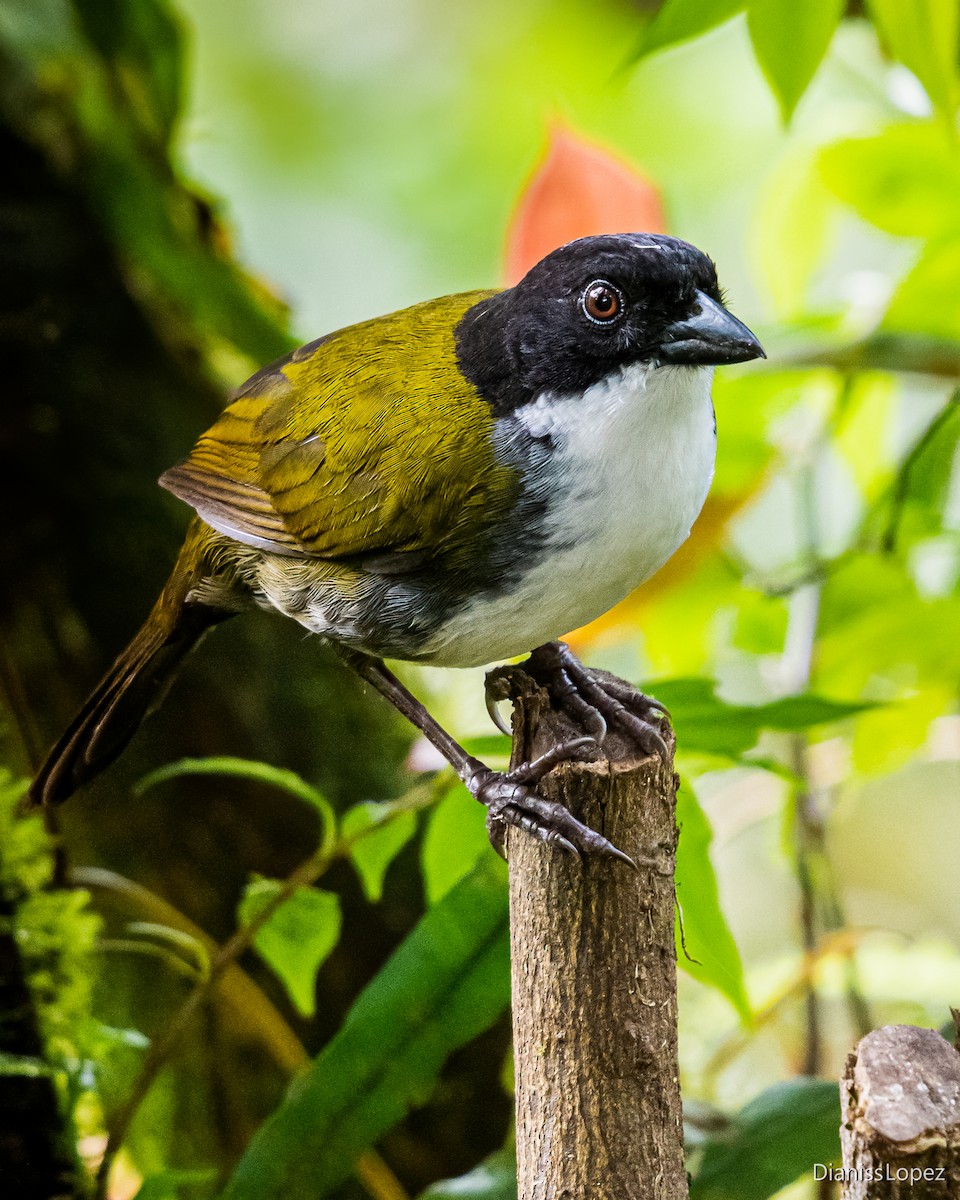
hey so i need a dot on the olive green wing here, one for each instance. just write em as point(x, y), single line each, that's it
point(366, 443)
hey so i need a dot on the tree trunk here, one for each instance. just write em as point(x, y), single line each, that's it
point(594, 980)
point(900, 1096)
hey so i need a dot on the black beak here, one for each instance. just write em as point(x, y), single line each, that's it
point(710, 336)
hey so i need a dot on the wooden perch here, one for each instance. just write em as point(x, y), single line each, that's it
point(594, 979)
point(900, 1096)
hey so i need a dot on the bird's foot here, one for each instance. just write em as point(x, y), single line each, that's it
point(510, 799)
point(596, 701)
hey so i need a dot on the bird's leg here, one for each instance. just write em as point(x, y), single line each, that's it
point(596, 700)
point(509, 797)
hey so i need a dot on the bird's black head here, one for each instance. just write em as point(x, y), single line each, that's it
point(593, 306)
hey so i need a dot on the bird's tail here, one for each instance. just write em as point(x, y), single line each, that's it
point(131, 689)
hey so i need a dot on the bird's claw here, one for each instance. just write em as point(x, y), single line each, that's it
point(510, 800)
point(496, 716)
point(595, 700)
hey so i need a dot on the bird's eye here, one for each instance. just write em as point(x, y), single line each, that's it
point(601, 302)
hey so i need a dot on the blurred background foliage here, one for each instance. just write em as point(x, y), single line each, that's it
point(189, 188)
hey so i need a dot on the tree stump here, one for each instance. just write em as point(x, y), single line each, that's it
point(594, 978)
point(900, 1096)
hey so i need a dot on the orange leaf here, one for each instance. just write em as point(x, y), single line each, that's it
point(579, 189)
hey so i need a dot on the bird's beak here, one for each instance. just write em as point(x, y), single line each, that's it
point(710, 336)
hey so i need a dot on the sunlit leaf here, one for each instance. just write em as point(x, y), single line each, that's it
point(876, 628)
point(707, 724)
point(917, 503)
point(792, 230)
point(297, 938)
point(579, 189)
point(173, 1184)
point(493, 1179)
point(905, 180)
point(373, 853)
point(454, 842)
point(681, 20)
point(925, 302)
point(923, 36)
point(448, 981)
point(863, 438)
point(705, 946)
point(774, 1140)
point(761, 623)
point(887, 738)
point(790, 41)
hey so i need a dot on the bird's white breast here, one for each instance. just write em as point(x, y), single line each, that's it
point(630, 467)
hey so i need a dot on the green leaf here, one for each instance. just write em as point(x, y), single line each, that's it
point(447, 982)
point(790, 40)
point(925, 302)
point(296, 940)
point(373, 853)
point(454, 842)
point(488, 745)
point(493, 1179)
point(168, 1185)
point(257, 772)
point(775, 1139)
point(922, 34)
point(681, 20)
point(914, 505)
point(711, 954)
point(905, 180)
point(791, 233)
point(707, 724)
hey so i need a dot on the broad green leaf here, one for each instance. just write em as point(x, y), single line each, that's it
point(171, 1185)
point(916, 504)
point(297, 939)
point(493, 1179)
point(448, 982)
point(877, 631)
point(922, 34)
point(792, 231)
point(790, 41)
point(774, 1140)
point(925, 302)
point(761, 622)
point(711, 954)
point(454, 842)
point(889, 737)
point(905, 180)
point(488, 745)
point(256, 772)
point(863, 438)
point(373, 853)
point(681, 20)
point(707, 724)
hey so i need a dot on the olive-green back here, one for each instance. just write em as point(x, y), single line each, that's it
point(368, 441)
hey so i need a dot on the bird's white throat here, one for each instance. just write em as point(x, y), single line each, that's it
point(629, 469)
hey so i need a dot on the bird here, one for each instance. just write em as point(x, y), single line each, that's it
point(455, 484)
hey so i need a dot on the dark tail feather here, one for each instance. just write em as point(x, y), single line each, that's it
point(135, 685)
